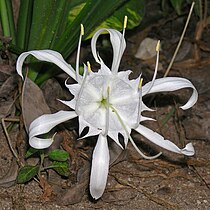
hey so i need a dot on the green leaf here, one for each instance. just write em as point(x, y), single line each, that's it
point(7, 19)
point(91, 15)
point(58, 155)
point(26, 173)
point(24, 23)
point(31, 151)
point(134, 9)
point(75, 3)
point(47, 23)
point(177, 4)
point(61, 168)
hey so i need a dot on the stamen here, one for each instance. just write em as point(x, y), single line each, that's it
point(156, 67)
point(130, 138)
point(125, 24)
point(142, 154)
point(140, 101)
point(81, 29)
point(125, 21)
point(81, 90)
point(116, 67)
point(158, 46)
point(78, 53)
point(89, 67)
point(107, 113)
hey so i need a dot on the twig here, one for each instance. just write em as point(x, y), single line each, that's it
point(150, 196)
point(7, 135)
point(180, 41)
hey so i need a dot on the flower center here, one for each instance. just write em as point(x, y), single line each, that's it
point(104, 103)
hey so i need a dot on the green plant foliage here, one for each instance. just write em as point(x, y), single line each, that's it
point(134, 9)
point(177, 5)
point(31, 151)
point(58, 155)
point(55, 24)
point(26, 173)
point(7, 19)
point(62, 168)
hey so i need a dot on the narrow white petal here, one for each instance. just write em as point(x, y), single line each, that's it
point(39, 143)
point(166, 144)
point(172, 84)
point(100, 168)
point(118, 45)
point(149, 87)
point(44, 124)
point(49, 56)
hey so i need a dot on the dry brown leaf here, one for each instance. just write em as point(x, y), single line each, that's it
point(76, 193)
point(33, 102)
point(9, 178)
point(8, 90)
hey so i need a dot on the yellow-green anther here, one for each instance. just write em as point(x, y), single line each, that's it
point(140, 83)
point(89, 67)
point(81, 29)
point(125, 22)
point(158, 46)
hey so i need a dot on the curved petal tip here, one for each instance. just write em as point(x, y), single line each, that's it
point(39, 143)
point(188, 150)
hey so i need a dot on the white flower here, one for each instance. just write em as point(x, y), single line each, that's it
point(108, 103)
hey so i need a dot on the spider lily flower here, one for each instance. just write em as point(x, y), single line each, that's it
point(106, 102)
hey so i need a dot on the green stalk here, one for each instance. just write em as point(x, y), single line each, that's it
point(24, 23)
point(4, 18)
point(7, 19)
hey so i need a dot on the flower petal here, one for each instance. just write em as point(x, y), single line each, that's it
point(40, 143)
point(100, 167)
point(70, 104)
point(172, 84)
point(118, 45)
point(166, 144)
point(44, 124)
point(49, 56)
